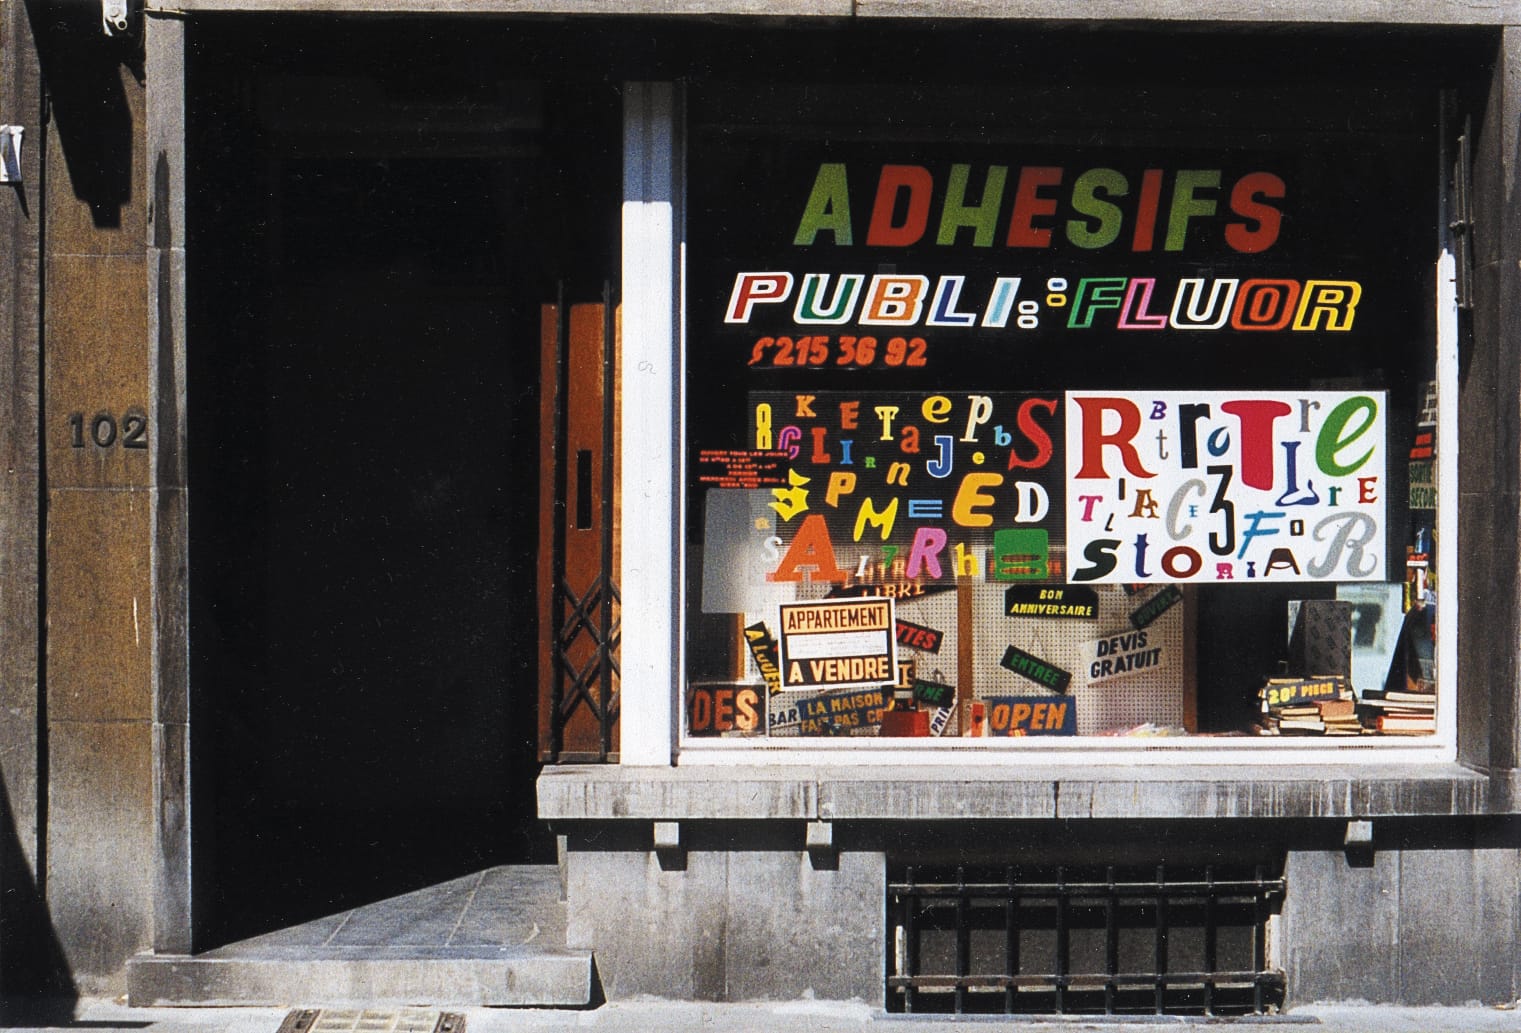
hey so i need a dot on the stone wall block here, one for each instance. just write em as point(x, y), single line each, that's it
point(1339, 928)
point(796, 931)
point(1457, 926)
point(98, 368)
point(747, 924)
point(1486, 662)
point(97, 194)
point(656, 932)
point(172, 889)
point(100, 607)
point(100, 847)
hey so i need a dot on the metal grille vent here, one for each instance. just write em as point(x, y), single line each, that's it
point(1083, 940)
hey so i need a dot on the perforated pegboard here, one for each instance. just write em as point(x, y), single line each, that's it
point(1106, 701)
point(1154, 693)
point(937, 612)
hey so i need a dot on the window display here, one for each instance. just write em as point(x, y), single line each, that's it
point(1091, 421)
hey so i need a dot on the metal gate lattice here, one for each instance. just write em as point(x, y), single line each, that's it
point(1083, 940)
point(586, 633)
point(589, 683)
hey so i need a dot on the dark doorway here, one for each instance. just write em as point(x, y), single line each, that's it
point(371, 238)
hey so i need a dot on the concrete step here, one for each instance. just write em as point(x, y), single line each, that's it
point(495, 938)
point(364, 976)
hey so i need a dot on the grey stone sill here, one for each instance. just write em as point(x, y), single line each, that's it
point(936, 792)
point(1431, 12)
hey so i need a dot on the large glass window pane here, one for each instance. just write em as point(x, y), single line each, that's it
point(1066, 412)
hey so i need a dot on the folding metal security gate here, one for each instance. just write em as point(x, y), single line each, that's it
point(579, 605)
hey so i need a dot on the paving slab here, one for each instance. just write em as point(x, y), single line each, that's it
point(798, 1017)
point(496, 938)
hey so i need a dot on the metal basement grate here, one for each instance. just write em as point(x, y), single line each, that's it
point(370, 1020)
point(1082, 940)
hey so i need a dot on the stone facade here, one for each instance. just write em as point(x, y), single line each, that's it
point(95, 720)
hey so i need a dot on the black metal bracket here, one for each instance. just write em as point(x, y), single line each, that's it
point(1461, 225)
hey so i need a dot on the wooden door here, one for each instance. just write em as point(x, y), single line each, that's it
point(578, 540)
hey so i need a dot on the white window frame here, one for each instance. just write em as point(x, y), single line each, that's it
point(652, 374)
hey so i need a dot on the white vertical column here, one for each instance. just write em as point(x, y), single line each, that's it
point(1447, 544)
point(652, 414)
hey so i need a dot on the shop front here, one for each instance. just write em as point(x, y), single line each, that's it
point(1059, 496)
point(997, 514)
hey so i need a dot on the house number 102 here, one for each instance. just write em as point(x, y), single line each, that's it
point(103, 431)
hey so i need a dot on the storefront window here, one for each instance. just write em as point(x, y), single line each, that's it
point(1098, 413)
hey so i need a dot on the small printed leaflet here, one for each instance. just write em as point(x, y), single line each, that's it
point(1116, 656)
point(917, 636)
point(1018, 715)
point(731, 468)
point(1283, 692)
point(933, 693)
point(719, 708)
point(1071, 602)
point(838, 642)
point(763, 649)
point(1154, 607)
point(1039, 671)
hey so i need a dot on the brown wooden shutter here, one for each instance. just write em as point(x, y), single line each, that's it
point(579, 606)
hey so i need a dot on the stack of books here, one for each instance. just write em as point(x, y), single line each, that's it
point(1296, 719)
point(1328, 706)
point(1399, 713)
point(1340, 716)
point(1308, 706)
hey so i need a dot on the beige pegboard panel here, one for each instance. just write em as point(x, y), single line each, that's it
point(938, 613)
point(1153, 693)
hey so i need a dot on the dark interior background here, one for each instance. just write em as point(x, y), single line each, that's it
point(376, 225)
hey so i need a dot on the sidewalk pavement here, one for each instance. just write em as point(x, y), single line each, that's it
point(793, 1017)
